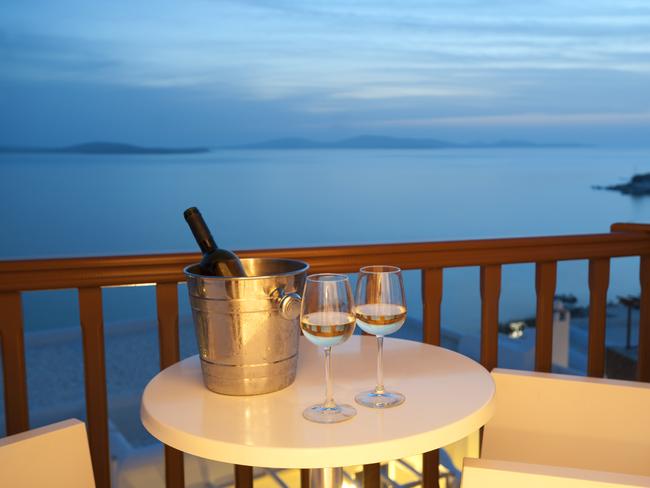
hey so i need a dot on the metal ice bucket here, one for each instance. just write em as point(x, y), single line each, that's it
point(247, 328)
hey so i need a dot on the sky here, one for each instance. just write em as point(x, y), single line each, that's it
point(208, 72)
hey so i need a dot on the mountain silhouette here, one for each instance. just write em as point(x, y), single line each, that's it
point(387, 142)
point(102, 148)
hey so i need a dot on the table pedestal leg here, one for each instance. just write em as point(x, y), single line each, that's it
point(326, 478)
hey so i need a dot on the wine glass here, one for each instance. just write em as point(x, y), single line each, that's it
point(380, 310)
point(327, 319)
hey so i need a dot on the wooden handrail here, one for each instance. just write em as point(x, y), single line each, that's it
point(89, 274)
point(629, 227)
point(61, 273)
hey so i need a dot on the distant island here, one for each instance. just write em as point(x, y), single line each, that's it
point(101, 148)
point(386, 142)
point(358, 142)
point(639, 185)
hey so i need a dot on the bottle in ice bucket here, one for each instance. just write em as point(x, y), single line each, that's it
point(216, 261)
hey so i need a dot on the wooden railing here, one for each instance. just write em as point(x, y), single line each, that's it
point(89, 275)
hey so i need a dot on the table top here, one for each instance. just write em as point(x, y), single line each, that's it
point(448, 396)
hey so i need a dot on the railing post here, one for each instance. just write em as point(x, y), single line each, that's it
point(598, 284)
point(431, 469)
point(243, 476)
point(92, 328)
point(643, 365)
point(305, 475)
point(545, 282)
point(643, 350)
point(372, 475)
point(12, 342)
point(490, 291)
point(431, 301)
point(167, 308)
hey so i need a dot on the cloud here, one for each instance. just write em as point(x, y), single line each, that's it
point(255, 45)
point(408, 64)
point(406, 91)
point(528, 119)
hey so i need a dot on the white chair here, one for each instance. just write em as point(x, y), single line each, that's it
point(55, 456)
point(570, 421)
point(482, 473)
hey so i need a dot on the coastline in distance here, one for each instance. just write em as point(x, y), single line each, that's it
point(358, 142)
point(639, 185)
point(387, 142)
point(101, 148)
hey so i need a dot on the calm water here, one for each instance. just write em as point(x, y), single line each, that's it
point(70, 205)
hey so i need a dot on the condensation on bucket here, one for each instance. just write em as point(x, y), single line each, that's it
point(247, 344)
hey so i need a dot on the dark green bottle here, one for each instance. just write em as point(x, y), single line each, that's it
point(216, 261)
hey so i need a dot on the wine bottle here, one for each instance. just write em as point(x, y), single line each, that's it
point(216, 261)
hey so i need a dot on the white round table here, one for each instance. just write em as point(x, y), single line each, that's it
point(448, 396)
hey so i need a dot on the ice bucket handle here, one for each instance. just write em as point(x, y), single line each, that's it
point(288, 303)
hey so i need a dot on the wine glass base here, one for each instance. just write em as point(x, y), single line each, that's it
point(372, 399)
point(329, 415)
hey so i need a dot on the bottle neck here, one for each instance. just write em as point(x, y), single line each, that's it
point(200, 230)
point(206, 243)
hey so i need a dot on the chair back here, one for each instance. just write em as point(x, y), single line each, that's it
point(481, 473)
point(571, 421)
point(55, 456)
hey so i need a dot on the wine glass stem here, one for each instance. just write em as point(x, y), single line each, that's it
point(329, 396)
point(380, 365)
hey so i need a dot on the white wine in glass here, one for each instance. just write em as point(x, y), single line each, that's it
point(327, 329)
point(327, 319)
point(381, 319)
point(380, 310)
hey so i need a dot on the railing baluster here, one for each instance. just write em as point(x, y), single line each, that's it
point(430, 469)
point(167, 307)
point(643, 352)
point(545, 282)
point(13, 363)
point(431, 301)
point(598, 284)
point(243, 476)
point(92, 327)
point(490, 291)
point(371, 475)
point(304, 478)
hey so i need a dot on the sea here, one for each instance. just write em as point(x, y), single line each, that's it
point(56, 205)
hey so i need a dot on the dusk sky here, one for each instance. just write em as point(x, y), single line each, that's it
point(200, 72)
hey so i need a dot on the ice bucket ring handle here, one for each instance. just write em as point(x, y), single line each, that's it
point(288, 303)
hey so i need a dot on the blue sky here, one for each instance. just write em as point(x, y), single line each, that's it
point(213, 72)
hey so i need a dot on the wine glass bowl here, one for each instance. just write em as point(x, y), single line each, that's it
point(327, 319)
point(380, 319)
point(327, 329)
point(380, 310)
